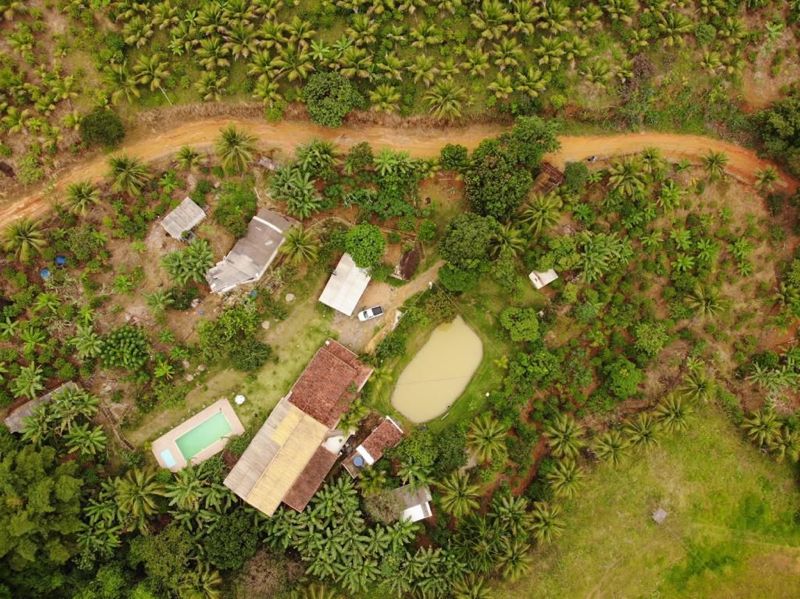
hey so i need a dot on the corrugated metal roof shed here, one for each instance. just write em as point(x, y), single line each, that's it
point(185, 217)
point(250, 257)
point(346, 286)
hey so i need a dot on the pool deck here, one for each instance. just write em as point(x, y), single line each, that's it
point(167, 440)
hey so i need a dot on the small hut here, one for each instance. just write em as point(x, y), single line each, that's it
point(185, 217)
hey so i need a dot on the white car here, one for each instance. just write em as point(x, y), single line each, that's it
point(370, 313)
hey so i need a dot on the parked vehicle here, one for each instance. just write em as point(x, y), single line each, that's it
point(370, 313)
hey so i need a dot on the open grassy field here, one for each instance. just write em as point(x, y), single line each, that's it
point(731, 529)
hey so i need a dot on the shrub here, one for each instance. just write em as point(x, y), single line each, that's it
point(329, 97)
point(454, 157)
point(102, 127)
point(232, 541)
point(237, 205)
point(250, 356)
point(521, 323)
point(365, 243)
point(126, 347)
point(457, 279)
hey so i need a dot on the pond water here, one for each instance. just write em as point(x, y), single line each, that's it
point(439, 373)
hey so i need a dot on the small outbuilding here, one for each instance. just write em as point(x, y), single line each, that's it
point(543, 279)
point(15, 421)
point(346, 286)
point(414, 503)
point(185, 217)
point(382, 438)
point(252, 255)
point(409, 262)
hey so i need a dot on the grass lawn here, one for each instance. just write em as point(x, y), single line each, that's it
point(730, 531)
point(294, 342)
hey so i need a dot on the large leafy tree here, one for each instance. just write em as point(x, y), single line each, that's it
point(39, 507)
point(365, 244)
point(468, 239)
point(329, 97)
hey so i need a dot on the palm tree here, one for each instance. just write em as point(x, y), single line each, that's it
point(766, 178)
point(385, 98)
point(786, 444)
point(235, 149)
point(705, 300)
point(317, 591)
point(507, 239)
point(188, 158)
point(414, 474)
point(300, 245)
point(459, 497)
point(128, 174)
point(191, 263)
point(471, 587)
point(510, 513)
point(445, 99)
point(565, 436)
point(82, 196)
point(670, 195)
point(202, 583)
point(28, 382)
point(152, 71)
point(23, 238)
point(672, 413)
point(486, 439)
point(86, 441)
point(294, 186)
point(137, 495)
point(565, 478)
point(158, 302)
point(626, 176)
point(641, 431)
point(546, 522)
point(610, 447)
point(515, 558)
point(714, 164)
point(186, 490)
point(541, 213)
point(86, 342)
point(762, 427)
point(697, 386)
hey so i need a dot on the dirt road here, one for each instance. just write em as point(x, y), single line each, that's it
point(150, 144)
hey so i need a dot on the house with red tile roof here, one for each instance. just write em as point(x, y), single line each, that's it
point(297, 446)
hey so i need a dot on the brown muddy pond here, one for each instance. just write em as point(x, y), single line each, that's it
point(439, 373)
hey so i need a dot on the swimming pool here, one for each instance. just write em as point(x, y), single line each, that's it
point(204, 434)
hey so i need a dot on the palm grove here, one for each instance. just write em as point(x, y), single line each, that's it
point(495, 58)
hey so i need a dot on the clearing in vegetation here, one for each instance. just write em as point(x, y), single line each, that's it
point(731, 528)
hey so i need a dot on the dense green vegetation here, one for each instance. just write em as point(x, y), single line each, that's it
point(599, 398)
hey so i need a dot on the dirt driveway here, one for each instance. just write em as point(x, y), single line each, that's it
point(150, 145)
point(364, 336)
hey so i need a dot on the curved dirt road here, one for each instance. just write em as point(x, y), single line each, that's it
point(150, 145)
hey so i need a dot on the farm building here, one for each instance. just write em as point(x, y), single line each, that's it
point(185, 217)
point(294, 450)
point(15, 421)
point(251, 256)
point(345, 287)
point(383, 437)
point(543, 279)
point(409, 262)
point(414, 504)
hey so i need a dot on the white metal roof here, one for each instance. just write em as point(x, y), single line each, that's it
point(542, 279)
point(346, 286)
point(183, 218)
